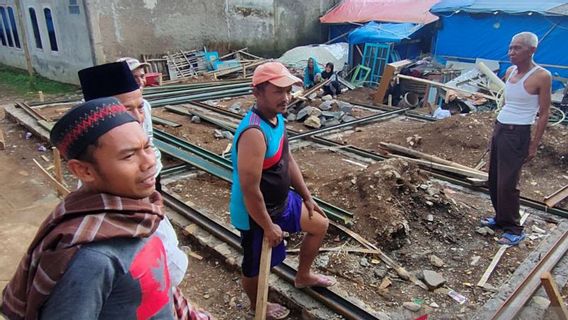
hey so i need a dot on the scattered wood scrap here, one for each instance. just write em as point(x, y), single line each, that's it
point(402, 273)
point(556, 196)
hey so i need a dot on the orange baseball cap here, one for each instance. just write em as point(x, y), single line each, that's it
point(275, 73)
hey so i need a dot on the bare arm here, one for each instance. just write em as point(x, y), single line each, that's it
point(544, 89)
point(252, 147)
point(300, 186)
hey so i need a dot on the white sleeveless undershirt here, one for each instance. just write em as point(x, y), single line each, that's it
point(520, 106)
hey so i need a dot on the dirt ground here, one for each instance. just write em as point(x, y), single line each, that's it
point(391, 202)
point(391, 210)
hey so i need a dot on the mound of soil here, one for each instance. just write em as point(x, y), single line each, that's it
point(388, 198)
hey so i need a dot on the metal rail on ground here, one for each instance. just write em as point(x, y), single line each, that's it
point(523, 292)
point(335, 302)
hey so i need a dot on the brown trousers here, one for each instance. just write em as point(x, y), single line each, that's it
point(509, 149)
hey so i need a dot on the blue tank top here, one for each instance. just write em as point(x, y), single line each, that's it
point(275, 180)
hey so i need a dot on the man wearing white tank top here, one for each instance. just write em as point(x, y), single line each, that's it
point(527, 94)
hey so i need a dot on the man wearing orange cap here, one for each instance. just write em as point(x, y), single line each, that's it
point(262, 204)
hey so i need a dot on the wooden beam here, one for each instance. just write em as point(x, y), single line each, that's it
point(556, 196)
point(61, 189)
point(264, 273)
point(556, 301)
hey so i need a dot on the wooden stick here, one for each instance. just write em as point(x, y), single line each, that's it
point(497, 257)
point(57, 165)
point(556, 196)
point(61, 189)
point(262, 289)
point(556, 301)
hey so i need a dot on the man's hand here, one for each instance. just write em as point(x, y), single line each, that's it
point(274, 235)
point(532, 152)
point(312, 206)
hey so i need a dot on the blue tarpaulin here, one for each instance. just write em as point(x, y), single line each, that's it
point(374, 32)
point(505, 6)
point(465, 35)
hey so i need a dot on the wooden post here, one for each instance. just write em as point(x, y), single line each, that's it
point(41, 96)
point(24, 37)
point(57, 166)
point(556, 301)
point(264, 273)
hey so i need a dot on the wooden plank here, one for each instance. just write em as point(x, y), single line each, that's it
point(264, 273)
point(61, 189)
point(556, 301)
point(386, 78)
point(497, 257)
point(556, 196)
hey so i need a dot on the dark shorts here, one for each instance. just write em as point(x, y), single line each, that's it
point(251, 240)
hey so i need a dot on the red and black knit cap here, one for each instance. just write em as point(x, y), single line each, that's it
point(84, 124)
point(107, 80)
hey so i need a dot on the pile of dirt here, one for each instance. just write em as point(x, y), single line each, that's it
point(389, 198)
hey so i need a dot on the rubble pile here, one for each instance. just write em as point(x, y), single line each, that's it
point(390, 197)
point(324, 112)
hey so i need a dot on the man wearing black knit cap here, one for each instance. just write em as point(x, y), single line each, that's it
point(96, 255)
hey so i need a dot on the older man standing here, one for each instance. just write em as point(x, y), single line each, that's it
point(139, 74)
point(527, 94)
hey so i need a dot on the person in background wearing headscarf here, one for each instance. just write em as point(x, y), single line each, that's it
point(333, 88)
point(312, 73)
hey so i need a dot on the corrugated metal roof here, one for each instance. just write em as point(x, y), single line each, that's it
point(507, 6)
point(414, 11)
